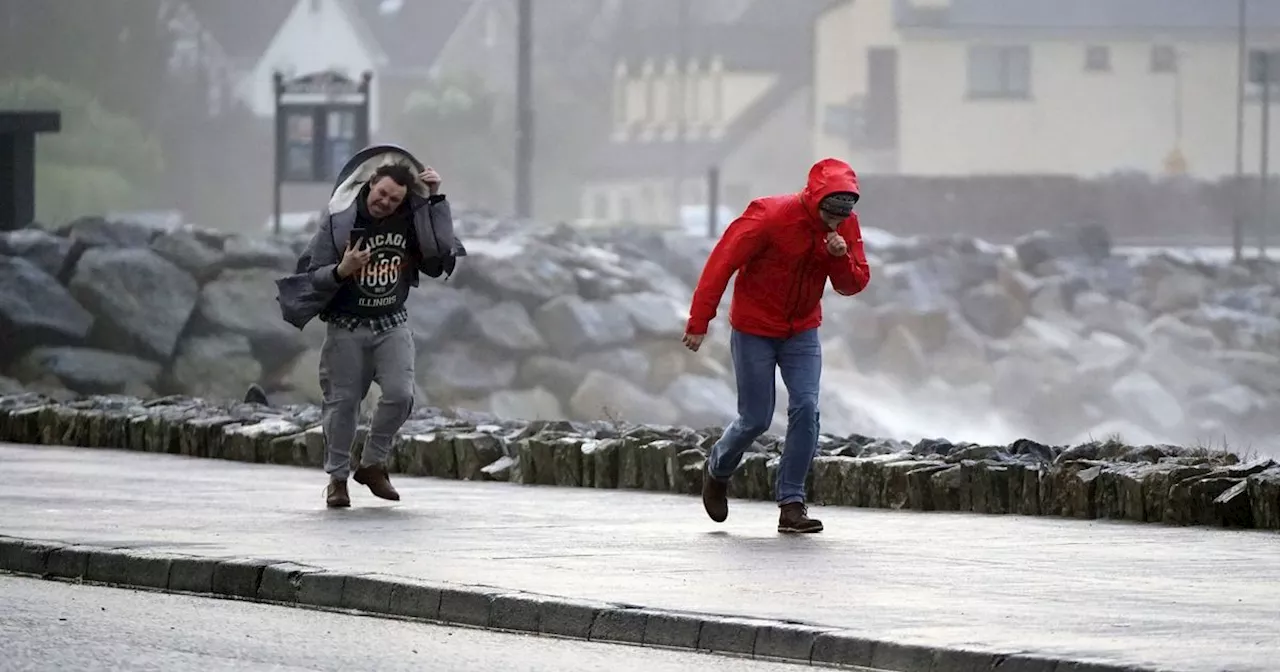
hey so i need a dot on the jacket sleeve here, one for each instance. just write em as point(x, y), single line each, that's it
point(741, 242)
point(850, 274)
point(434, 228)
point(324, 257)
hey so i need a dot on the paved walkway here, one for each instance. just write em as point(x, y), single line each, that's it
point(1143, 595)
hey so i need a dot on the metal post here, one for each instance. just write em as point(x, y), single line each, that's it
point(1237, 232)
point(682, 121)
point(278, 81)
point(524, 110)
point(1264, 170)
point(713, 202)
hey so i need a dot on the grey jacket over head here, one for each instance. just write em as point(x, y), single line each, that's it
point(305, 294)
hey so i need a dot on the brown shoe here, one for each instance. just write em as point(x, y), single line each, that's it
point(794, 519)
point(715, 496)
point(379, 482)
point(335, 494)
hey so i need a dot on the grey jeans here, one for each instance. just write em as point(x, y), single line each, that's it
point(349, 362)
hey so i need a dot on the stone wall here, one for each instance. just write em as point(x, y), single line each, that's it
point(1098, 480)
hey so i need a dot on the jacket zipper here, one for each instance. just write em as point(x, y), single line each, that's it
point(802, 276)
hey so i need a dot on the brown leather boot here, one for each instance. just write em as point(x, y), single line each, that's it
point(794, 519)
point(335, 494)
point(715, 496)
point(379, 482)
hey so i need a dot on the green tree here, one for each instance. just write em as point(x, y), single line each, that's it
point(100, 161)
point(119, 51)
point(456, 123)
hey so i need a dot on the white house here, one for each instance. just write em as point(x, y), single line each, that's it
point(397, 40)
point(1078, 87)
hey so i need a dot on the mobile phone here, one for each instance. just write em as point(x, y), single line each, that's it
point(359, 238)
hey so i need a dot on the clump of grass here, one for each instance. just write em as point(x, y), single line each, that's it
point(612, 416)
point(1222, 452)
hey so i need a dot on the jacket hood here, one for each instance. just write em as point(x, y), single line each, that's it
point(826, 177)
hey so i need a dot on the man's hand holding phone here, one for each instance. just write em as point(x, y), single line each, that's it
point(354, 258)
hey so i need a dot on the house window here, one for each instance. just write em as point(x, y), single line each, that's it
point(626, 212)
point(1164, 59)
point(717, 91)
point(490, 28)
point(692, 93)
point(620, 102)
point(999, 72)
point(1097, 59)
point(649, 81)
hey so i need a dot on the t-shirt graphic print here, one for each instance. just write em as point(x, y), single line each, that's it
point(378, 282)
point(381, 287)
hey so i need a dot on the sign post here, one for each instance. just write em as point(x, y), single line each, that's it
point(321, 120)
point(18, 163)
point(1264, 70)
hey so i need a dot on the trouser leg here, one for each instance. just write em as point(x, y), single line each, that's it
point(754, 360)
point(800, 362)
point(343, 382)
point(393, 361)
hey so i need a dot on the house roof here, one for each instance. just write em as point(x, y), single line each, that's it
point(737, 30)
point(243, 28)
point(753, 35)
point(411, 33)
point(1127, 15)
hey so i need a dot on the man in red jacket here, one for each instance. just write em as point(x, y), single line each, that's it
point(784, 248)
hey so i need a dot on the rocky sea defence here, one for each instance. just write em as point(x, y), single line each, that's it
point(1059, 336)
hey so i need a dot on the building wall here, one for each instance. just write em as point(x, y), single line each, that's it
point(773, 160)
point(842, 39)
point(1073, 120)
point(647, 100)
point(648, 108)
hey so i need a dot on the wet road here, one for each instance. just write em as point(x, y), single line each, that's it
point(46, 625)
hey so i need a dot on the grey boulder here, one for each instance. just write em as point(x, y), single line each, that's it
point(141, 301)
point(45, 250)
point(244, 302)
point(217, 367)
point(36, 310)
point(89, 371)
point(572, 325)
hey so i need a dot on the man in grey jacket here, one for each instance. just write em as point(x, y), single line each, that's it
point(362, 262)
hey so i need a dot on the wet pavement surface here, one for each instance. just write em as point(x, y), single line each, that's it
point(1173, 598)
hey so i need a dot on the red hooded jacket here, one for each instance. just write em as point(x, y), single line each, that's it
point(779, 249)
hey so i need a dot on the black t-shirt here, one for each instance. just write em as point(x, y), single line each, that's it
point(381, 287)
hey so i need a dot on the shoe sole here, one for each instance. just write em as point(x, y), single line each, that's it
point(713, 517)
point(797, 530)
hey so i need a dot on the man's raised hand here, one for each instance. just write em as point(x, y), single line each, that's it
point(836, 245)
point(431, 178)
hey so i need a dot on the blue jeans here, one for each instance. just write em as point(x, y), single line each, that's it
point(754, 361)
